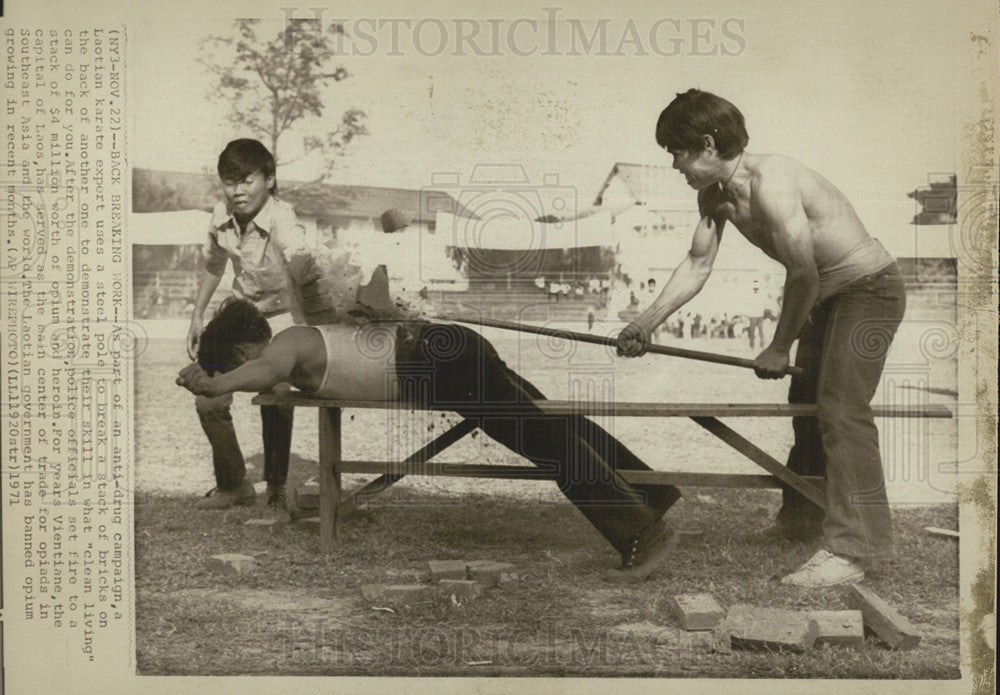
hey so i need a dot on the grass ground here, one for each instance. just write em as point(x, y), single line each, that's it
point(298, 613)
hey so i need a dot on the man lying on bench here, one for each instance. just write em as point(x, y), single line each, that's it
point(391, 361)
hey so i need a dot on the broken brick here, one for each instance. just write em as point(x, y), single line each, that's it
point(769, 629)
point(469, 564)
point(696, 611)
point(447, 569)
point(839, 628)
point(881, 618)
point(307, 496)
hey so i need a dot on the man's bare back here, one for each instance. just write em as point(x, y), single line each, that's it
point(360, 361)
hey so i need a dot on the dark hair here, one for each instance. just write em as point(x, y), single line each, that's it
point(236, 322)
point(694, 114)
point(243, 157)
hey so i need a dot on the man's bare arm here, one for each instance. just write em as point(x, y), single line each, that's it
point(684, 283)
point(780, 203)
point(273, 367)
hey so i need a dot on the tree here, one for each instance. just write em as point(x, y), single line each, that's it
point(274, 87)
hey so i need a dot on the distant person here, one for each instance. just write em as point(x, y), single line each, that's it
point(591, 316)
point(238, 353)
point(651, 289)
point(554, 289)
point(844, 298)
point(756, 305)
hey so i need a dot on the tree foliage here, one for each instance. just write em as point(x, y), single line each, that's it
point(275, 87)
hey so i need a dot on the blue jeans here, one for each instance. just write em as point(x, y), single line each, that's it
point(842, 350)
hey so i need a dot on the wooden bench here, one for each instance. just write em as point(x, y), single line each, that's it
point(334, 505)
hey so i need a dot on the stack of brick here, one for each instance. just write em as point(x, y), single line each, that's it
point(771, 629)
point(455, 580)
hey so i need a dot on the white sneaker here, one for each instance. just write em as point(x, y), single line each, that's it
point(826, 569)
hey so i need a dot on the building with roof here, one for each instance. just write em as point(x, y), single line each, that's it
point(332, 207)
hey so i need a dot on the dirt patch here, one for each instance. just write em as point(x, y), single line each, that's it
point(272, 600)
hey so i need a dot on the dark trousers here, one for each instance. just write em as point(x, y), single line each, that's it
point(756, 330)
point(227, 459)
point(454, 367)
point(842, 349)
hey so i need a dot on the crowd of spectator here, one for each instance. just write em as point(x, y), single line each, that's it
point(593, 289)
point(752, 317)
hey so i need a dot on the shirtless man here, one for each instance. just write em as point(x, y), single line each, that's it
point(443, 365)
point(843, 299)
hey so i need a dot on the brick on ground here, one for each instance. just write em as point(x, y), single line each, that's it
point(495, 574)
point(307, 496)
point(696, 611)
point(447, 569)
point(399, 594)
point(769, 629)
point(839, 628)
point(885, 621)
point(460, 588)
point(469, 564)
point(231, 563)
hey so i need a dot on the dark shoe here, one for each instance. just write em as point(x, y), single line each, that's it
point(646, 553)
point(242, 495)
point(277, 504)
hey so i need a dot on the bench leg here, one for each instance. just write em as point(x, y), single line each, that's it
point(421, 456)
point(329, 476)
point(762, 459)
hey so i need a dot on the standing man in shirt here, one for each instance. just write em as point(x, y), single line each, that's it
point(259, 234)
point(843, 299)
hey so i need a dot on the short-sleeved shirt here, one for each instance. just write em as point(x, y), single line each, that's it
point(259, 252)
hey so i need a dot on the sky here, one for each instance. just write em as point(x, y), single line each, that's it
point(875, 96)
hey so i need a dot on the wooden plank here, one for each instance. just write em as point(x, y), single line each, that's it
point(762, 459)
point(470, 470)
point(329, 476)
point(881, 618)
point(421, 456)
point(626, 409)
point(942, 532)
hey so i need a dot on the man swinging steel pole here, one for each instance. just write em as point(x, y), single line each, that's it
point(843, 300)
